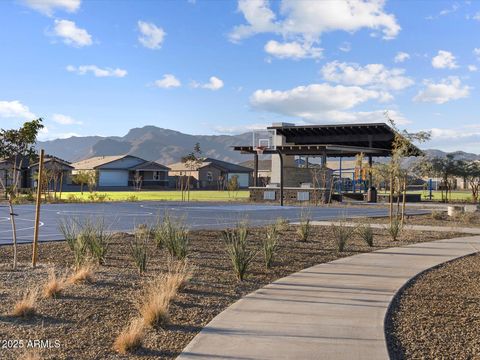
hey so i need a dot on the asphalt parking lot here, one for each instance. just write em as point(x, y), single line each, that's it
point(119, 216)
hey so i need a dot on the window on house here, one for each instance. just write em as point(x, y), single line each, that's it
point(156, 175)
point(209, 176)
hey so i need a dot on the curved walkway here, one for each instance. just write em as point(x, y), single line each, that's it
point(334, 310)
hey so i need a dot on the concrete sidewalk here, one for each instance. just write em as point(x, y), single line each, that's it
point(329, 311)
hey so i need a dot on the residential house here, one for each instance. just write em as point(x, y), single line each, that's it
point(124, 171)
point(211, 174)
point(58, 173)
point(7, 168)
point(264, 170)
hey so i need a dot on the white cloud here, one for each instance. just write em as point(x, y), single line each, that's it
point(15, 109)
point(472, 68)
point(71, 34)
point(476, 52)
point(444, 60)
point(98, 72)
point(304, 21)
point(373, 75)
point(401, 57)
point(65, 120)
point(319, 102)
point(168, 81)
point(240, 129)
point(448, 89)
point(476, 16)
point(345, 47)
point(214, 83)
point(48, 7)
point(293, 50)
point(151, 36)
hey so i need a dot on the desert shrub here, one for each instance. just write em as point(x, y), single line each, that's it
point(156, 299)
point(138, 250)
point(174, 236)
point(366, 233)
point(96, 197)
point(54, 285)
point(98, 241)
point(304, 228)
point(395, 228)
point(281, 224)
point(85, 273)
point(30, 354)
point(240, 254)
point(162, 230)
point(130, 338)
point(26, 307)
point(469, 218)
point(132, 198)
point(179, 272)
point(80, 249)
point(69, 229)
point(73, 199)
point(342, 233)
point(270, 244)
point(438, 215)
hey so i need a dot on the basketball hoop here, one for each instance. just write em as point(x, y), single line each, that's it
point(260, 149)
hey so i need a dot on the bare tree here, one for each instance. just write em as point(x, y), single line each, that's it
point(17, 145)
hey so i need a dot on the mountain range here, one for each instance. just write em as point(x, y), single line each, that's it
point(167, 146)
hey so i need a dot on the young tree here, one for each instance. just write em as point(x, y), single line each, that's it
point(17, 145)
point(192, 161)
point(82, 178)
point(401, 148)
point(233, 186)
point(470, 171)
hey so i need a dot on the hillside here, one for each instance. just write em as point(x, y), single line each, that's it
point(168, 146)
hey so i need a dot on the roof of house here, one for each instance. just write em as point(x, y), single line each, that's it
point(181, 166)
point(97, 161)
point(54, 160)
point(263, 165)
point(150, 166)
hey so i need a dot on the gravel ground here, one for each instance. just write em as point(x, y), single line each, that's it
point(438, 315)
point(85, 319)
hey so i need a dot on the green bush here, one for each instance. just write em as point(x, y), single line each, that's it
point(69, 229)
point(270, 244)
point(240, 254)
point(132, 198)
point(138, 250)
point(366, 233)
point(304, 228)
point(95, 197)
point(342, 233)
point(80, 248)
point(395, 228)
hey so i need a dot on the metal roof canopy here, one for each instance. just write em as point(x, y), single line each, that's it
point(374, 139)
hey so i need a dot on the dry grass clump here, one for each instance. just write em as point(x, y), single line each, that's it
point(179, 272)
point(156, 299)
point(131, 337)
point(438, 215)
point(84, 274)
point(30, 355)
point(27, 305)
point(54, 285)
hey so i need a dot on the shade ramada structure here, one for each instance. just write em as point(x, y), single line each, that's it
point(339, 140)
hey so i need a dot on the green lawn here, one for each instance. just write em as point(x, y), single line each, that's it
point(204, 195)
point(437, 195)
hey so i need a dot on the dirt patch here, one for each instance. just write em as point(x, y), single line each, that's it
point(437, 315)
point(85, 319)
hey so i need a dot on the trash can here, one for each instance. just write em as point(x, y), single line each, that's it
point(372, 195)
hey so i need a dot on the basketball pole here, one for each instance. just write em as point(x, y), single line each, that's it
point(37, 208)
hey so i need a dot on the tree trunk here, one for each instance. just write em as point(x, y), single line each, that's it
point(14, 231)
point(404, 200)
point(61, 186)
point(391, 200)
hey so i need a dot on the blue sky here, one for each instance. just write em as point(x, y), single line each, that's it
point(213, 67)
